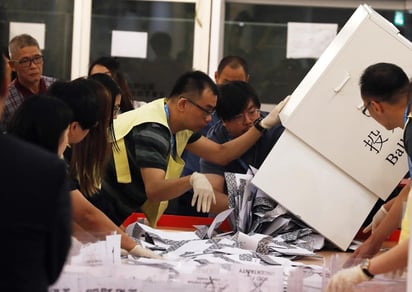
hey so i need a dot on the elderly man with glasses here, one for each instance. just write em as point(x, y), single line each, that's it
point(145, 171)
point(26, 60)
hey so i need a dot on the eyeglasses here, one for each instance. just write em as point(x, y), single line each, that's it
point(365, 110)
point(208, 112)
point(26, 62)
point(251, 113)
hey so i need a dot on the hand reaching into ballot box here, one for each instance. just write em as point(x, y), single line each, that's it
point(272, 119)
point(376, 220)
point(202, 192)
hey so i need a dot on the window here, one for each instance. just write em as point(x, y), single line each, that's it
point(259, 34)
point(57, 15)
point(170, 29)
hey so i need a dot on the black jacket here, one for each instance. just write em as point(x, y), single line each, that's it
point(35, 216)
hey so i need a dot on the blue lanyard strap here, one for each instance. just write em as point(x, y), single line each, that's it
point(406, 114)
point(406, 120)
point(172, 136)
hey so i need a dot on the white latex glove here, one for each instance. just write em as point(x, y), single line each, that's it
point(272, 118)
point(139, 251)
point(376, 220)
point(123, 252)
point(202, 192)
point(344, 280)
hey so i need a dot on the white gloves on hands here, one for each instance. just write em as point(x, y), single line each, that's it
point(202, 192)
point(344, 280)
point(376, 220)
point(272, 118)
point(139, 251)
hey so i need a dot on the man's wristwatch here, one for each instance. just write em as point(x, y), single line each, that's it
point(258, 126)
point(364, 265)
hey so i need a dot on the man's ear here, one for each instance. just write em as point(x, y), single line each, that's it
point(376, 106)
point(73, 127)
point(181, 104)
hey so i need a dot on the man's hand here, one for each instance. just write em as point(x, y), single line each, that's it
point(376, 220)
point(367, 249)
point(202, 192)
point(272, 118)
point(344, 280)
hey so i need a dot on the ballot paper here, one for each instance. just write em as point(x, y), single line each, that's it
point(228, 262)
point(257, 213)
point(210, 278)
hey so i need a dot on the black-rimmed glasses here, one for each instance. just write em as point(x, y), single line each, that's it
point(205, 110)
point(26, 62)
point(251, 113)
point(365, 110)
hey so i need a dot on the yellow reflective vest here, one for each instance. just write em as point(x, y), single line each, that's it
point(152, 112)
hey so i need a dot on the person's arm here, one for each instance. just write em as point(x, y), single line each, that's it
point(391, 222)
point(379, 216)
point(394, 259)
point(159, 188)
point(388, 205)
point(222, 154)
point(151, 148)
point(95, 222)
point(389, 262)
point(80, 234)
point(218, 184)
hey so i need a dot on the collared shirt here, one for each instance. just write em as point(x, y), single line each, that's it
point(17, 94)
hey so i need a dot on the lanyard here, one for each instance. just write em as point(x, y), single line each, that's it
point(406, 120)
point(172, 136)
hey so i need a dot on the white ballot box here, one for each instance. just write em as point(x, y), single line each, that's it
point(332, 163)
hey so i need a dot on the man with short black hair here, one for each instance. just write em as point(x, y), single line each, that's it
point(145, 171)
point(238, 108)
point(230, 68)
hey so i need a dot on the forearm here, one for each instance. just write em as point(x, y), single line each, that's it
point(159, 188)
point(84, 236)
point(222, 154)
point(392, 219)
point(90, 222)
point(218, 183)
point(221, 203)
point(394, 259)
point(80, 234)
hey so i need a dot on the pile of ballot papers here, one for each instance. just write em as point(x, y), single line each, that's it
point(254, 212)
point(263, 232)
